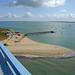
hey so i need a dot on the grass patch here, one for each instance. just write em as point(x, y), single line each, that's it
point(2, 34)
point(4, 30)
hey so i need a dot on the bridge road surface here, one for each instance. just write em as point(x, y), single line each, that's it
point(0, 72)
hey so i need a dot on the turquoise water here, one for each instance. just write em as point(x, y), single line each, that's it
point(64, 31)
point(64, 36)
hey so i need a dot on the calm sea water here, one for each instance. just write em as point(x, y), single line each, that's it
point(64, 36)
point(49, 66)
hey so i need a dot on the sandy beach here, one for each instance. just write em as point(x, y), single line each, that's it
point(29, 47)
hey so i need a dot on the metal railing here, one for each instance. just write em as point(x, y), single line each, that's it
point(9, 64)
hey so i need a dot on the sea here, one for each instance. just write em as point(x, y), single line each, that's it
point(64, 35)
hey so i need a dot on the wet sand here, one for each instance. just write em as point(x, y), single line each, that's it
point(29, 47)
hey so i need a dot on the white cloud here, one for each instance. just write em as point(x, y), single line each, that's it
point(36, 3)
point(28, 14)
point(64, 10)
point(9, 15)
point(53, 3)
point(6, 16)
point(61, 17)
point(39, 17)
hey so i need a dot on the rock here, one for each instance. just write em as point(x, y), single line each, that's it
point(5, 44)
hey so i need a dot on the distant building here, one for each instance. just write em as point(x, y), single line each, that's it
point(12, 33)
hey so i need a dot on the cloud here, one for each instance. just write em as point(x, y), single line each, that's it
point(53, 3)
point(60, 17)
point(28, 14)
point(36, 3)
point(9, 15)
point(64, 10)
point(6, 16)
point(39, 17)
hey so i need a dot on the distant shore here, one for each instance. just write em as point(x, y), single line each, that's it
point(28, 47)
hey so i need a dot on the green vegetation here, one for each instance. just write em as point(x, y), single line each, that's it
point(2, 34)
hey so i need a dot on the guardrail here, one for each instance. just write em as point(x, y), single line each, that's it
point(9, 64)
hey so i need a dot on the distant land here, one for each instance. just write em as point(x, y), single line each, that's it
point(42, 21)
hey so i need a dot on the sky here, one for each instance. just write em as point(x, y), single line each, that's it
point(37, 10)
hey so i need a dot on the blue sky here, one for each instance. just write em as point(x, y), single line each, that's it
point(37, 10)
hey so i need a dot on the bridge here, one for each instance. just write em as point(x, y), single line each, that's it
point(9, 65)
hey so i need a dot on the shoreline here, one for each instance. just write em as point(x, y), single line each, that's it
point(29, 48)
point(70, 55)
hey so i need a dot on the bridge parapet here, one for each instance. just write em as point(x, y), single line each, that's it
point(9, 64)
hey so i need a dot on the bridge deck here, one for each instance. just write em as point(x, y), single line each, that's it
point(0, 72)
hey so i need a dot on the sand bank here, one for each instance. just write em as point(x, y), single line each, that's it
point(29, 47)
